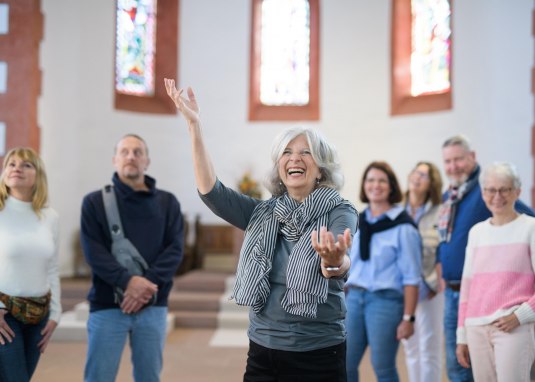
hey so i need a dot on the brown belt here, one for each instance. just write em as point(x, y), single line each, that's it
point(454, 286)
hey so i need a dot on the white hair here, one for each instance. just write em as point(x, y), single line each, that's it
point(323, 153)
point(504, 170)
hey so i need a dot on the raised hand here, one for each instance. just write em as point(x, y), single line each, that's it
point(187, 106)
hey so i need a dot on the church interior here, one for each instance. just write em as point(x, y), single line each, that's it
point(58, 94)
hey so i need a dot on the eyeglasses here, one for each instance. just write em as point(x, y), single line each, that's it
point(420, 174)
point(504, 192)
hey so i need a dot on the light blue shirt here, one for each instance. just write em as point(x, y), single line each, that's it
point(395, 257)
point(418, 213)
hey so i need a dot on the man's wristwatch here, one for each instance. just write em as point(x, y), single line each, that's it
point(408, 317)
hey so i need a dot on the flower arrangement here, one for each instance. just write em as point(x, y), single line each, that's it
point(249, 186)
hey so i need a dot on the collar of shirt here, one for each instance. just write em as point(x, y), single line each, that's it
point(392, 213)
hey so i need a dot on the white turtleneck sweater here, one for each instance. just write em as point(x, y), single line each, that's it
point(29, 253)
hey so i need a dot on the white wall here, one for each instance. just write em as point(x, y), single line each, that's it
point(493, 56)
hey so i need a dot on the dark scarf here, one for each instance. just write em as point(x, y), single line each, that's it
point(306, 287)
point(367, 230)
point(446, 214)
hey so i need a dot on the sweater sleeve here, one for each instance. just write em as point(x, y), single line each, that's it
point(410, 255)
point(465, 289)
point(53, 273)
point(231, 206)
point(526, 311)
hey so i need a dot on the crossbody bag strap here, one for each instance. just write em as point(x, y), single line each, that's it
point(114, 223)
point(112, 212)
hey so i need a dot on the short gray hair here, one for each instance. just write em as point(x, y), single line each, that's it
point(131, 135)
point(503, 170)
point(458, 140)
point(323, 153)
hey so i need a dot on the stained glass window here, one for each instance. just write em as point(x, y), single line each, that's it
point(285, 47)
point(430, 54)
point(422, 41)
point(135, 47)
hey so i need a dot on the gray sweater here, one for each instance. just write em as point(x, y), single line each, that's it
point(273, 327)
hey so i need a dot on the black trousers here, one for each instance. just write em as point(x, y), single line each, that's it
point(269, 365)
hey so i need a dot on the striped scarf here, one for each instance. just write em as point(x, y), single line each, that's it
point(306, 287)
point(448, 209)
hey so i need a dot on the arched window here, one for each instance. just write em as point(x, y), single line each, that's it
point(284, 73)
point(141, 58)
point(421, 56)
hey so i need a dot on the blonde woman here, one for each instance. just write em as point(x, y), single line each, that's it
point(29, 282)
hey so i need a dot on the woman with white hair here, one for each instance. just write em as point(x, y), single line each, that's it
point(294, 256)
point(496, 327)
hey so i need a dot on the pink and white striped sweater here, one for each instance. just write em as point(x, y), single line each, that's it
point(498, 274)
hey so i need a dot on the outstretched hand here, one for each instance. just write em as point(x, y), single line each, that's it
point(187, 106)
point(332, 252)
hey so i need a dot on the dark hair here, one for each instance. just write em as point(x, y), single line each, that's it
point(435, 184)
point(395, 191)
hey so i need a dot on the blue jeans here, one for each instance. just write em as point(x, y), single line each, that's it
point(19, 358)
point(107, 332)
point(456, 373)
point(372, 319)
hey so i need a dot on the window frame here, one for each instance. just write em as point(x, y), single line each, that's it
point(402, 101)
point(261, 112)
point(165, 63)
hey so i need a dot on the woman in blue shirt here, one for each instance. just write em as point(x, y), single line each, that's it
point(382, 288)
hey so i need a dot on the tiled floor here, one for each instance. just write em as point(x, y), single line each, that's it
point(188, 357)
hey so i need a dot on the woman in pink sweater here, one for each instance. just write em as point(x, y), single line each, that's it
point(497, 305)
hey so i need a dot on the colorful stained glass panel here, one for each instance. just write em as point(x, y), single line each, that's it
point(135, 47)
point(285, 53)
point(431, 44)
